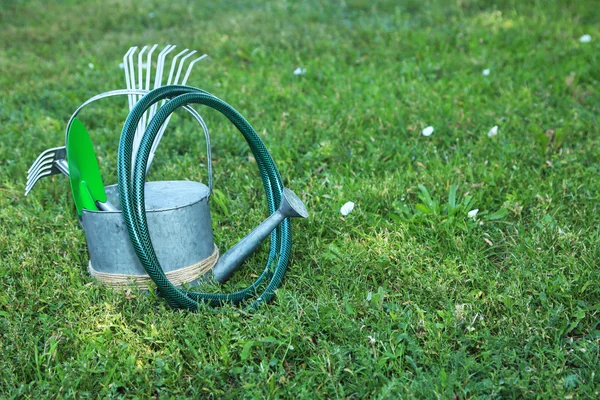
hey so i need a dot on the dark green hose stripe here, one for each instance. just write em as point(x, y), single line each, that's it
point(132, 196)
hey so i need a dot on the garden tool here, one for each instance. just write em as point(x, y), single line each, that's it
point(159, 234)
point(84, 175)
point(50, 162)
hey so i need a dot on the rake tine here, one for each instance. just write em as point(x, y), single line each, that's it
point(148, 73)
point(139, 131)
point(175, 81)
point(131, 68)
point(149, 64)
point(43, 154)
point(140, 77)
point(173, 64)
point(44, 165)
point(189, 70)
point(41, 166)
point(41, 174)
point(181, 63)
point(30, 187)
point(132, 80)
point(40, 160)
point(160, 66)
point(127, 80)
point(140, 68)
point(183, 82)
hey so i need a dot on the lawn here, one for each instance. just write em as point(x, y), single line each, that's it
point(412, 294)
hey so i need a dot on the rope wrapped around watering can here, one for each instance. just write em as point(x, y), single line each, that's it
point(177, 277)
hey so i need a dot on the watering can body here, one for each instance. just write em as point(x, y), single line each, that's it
point(178, 216)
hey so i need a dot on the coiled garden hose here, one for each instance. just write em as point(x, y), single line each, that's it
point(131, 191)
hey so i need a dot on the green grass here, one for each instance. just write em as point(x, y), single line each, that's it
point(405, 297)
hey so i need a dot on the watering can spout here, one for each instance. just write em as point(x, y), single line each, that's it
point(290, 206)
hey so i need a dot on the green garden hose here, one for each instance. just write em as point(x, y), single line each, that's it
point(131, 191)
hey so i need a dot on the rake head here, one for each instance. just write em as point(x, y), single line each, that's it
point(142, 81)
point(137, 76)
point(50, 162)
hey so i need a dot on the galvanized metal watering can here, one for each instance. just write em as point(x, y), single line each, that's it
point(140, 231)
point(179, 222)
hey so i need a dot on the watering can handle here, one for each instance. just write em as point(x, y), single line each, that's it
point(189, 109)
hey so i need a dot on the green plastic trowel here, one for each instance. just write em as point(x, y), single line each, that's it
point(86, 182)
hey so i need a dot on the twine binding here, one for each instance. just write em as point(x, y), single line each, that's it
point(177, 277)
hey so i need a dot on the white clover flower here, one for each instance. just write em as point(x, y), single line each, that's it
point(372, 340)
point(585, 38)
point(347, 208)
point(427, 131)
point(473, 213)
point(486, 72)
point(299, 71)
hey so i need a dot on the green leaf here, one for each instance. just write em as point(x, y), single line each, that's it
point(501, 213)
point(423, 208)
point(559, 138)
point(247, 349)
point(220, 201)
point(425, 196)
point(466, 203)
point(349, 309)
point(452, 199)
point(540, 139)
